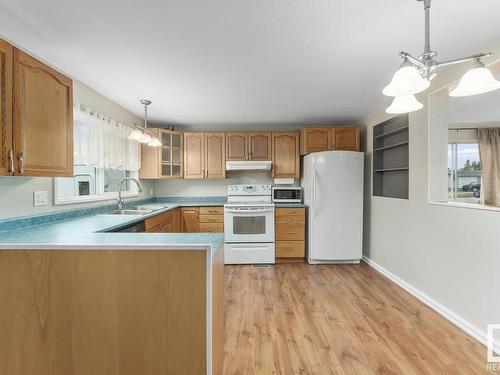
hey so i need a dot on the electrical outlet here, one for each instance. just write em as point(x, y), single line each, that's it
point(40, 198)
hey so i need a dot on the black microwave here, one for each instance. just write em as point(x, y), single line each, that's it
point(287, 194)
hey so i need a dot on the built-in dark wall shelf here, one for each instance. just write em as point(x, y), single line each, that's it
point(390, 158)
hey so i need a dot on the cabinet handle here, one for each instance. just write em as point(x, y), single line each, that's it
point(11, 161)
point(20, 157)
point(292, 232)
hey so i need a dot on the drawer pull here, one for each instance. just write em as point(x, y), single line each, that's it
point(292, 232)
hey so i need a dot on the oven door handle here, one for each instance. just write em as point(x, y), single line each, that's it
point(251, 211)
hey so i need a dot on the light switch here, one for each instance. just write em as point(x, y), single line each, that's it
point(40, 198)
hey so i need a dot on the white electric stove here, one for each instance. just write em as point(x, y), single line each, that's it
point(249, 225)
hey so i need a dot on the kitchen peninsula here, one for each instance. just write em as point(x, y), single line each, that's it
point(78, 299)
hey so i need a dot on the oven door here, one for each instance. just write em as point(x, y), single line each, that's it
point(249, 224)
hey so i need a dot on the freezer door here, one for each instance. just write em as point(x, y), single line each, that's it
point(336, 207)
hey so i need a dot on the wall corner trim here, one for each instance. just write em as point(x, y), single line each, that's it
point(454, 318)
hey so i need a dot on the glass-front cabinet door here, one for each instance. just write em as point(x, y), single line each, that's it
point(171, 154)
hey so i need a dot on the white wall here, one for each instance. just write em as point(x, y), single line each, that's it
point(450, 254)
point(16, 193)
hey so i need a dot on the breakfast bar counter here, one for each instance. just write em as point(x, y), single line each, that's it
point(77, 299)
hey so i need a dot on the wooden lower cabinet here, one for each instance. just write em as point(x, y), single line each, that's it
point(290, 234)
point(166, 222)
point(290, 249)
point(190, 219)
point(187, 220)
point(102, 312)
point(203, 219)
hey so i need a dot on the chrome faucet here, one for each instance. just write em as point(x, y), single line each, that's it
point(120, 198)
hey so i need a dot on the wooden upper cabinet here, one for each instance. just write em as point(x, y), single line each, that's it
point(163, 162)
point(43, 119)
point(215, 157)
point(314, 140)
point(285, 152)
point(329, 138)
point(6, 147)
point(260, 146)
point(171, 155)
point(237, 146)
point(204, 155)
point(345, 139)
point(194, 155)
point(150, 160)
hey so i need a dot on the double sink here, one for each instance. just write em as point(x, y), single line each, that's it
point(140, 210)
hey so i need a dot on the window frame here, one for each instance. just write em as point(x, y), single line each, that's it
point(101, 195)
point(435, 141)
point(454, 144)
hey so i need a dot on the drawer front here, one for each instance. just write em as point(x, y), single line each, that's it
point(290, 212)
point(211, 210)
point(211, 218)
point(290, 249)
point(290, 219)
point(290, 232)
point(154, 221)
point(212, 227)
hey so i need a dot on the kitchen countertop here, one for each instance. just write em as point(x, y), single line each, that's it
point(290, 205)
point(89, 232)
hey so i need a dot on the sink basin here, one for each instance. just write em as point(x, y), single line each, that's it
point(129, 212)
point(152, 207)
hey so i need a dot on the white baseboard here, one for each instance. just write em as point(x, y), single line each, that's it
point(454, 318)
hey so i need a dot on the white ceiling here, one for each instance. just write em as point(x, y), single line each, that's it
point(242, 62)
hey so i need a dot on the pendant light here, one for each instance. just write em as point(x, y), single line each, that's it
point(404, 104)
point(144, 136)
point(406, 81)
point(135, 135)
point(414, 75)
point(477, 80)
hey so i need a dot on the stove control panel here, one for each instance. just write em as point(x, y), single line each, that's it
point(249, 190)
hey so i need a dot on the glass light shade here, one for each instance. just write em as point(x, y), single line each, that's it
point(135, 135)
point(404, 104)
point(146, 138)
point(478, 80)
point(155, 142)
point(406, 81)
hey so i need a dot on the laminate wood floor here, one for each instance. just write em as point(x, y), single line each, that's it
point(302, 319)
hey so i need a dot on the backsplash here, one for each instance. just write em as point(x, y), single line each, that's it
point(208, 188)
point(16, 197)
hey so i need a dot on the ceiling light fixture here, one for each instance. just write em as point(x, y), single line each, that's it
point(414, 75)
point(143, 134)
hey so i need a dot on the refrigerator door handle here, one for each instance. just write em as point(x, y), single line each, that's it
point(314, 193)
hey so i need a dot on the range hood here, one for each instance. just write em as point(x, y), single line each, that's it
point(248, 165)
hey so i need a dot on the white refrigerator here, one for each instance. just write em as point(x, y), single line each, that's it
point(333, 191)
